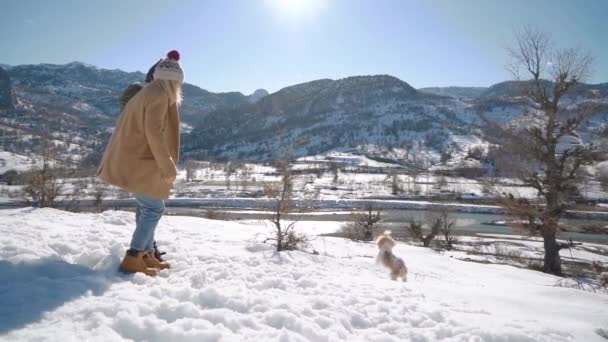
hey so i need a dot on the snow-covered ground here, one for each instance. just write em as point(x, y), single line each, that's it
point(11, 161)
point(59, 281)
point(335, 175)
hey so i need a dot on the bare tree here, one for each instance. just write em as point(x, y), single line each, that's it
point(602, 177)
point(284, 234)
point(416, 168)
point(191, 167)
point(335, 171)
point(44, 184)
point(539, 157)
point(395, 184)
point(245, 174)
point(446, 226)
point(99, 192)
point(229, 170)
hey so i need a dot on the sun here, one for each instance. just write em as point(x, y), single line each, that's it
point(293, 5)
point(297, 8)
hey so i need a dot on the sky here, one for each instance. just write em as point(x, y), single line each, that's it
point(243, 45)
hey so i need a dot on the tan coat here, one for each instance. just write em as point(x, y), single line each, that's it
point(144, 146)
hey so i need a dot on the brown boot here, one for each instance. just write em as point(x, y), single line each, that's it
point(152, 262)
point(134, 262)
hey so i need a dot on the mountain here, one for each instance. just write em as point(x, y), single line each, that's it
point(85, 86)
point(257, 95)
point(520, 88)
point(457, 92)
point(371, 112)
point(6, 91)
point(379, 116)
point(75, 105)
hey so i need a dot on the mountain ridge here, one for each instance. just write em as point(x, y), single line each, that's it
point(77, 104)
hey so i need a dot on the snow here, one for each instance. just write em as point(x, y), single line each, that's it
point(59, 281)
point(532, 247)
point(347, 158)
point(17, 162)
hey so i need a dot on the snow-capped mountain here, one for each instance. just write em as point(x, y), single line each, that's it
point(380, 116)
point(76, 105)
point(86, 88)
point(457, 92)
point(365, 111)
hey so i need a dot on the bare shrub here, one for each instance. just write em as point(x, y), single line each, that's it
point(361, 227)
point(515, 255)
point(415, 228)
point(476, 153)
point(10, 177)
point(602, 273)
point(602, 177)
point(603, 279)
point(535, 265)
point(212, 214)
point(439, 223)
point(501, 251)
point(498, 250)
point(76, 195)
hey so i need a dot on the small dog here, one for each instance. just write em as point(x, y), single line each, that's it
point(389, 260)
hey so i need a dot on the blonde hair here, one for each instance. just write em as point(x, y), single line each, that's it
point(173, 90)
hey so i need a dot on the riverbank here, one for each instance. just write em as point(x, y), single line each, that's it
point(314, 204)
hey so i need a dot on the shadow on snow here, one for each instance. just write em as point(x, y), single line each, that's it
point(28, 290)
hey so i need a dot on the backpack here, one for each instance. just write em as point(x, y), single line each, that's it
point(128, 93)
point(134, 88)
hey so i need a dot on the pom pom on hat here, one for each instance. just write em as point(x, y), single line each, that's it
point(174, 55)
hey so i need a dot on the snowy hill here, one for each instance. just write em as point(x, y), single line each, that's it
point(16, 162)
point(59, 281)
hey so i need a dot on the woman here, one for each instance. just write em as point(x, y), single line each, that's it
point(142, 155)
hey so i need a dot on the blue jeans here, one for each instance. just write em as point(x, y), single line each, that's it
point(148, 213)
